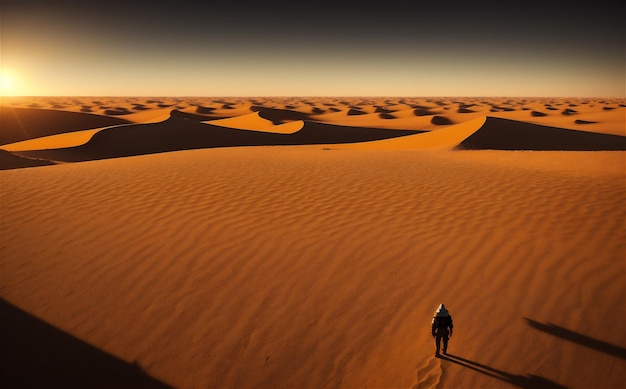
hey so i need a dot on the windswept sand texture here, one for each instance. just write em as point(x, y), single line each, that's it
point(306, 242)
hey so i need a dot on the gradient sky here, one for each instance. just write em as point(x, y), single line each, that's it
point(320, 48)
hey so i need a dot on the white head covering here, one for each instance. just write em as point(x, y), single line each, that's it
point(442, 311)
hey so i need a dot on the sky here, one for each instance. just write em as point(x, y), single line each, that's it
point(313, 48)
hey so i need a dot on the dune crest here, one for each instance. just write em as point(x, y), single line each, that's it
point(255, 122)
point(445, 139)
point(251, 121)
point(70, 139)
point(182, 132)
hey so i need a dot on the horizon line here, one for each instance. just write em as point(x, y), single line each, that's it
point(328, 96)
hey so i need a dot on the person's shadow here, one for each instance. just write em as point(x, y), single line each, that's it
point(528, 382)
point(581, 339)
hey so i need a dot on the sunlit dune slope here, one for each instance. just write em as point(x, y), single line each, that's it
point(67, 139)
point(253, 121)
point(148, 115)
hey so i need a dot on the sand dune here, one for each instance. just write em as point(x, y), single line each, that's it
point(9, 160)
point(20, 124)
point(489, 133)
point(317, 264)
point(607, 115)
point(254, 122)
point(251, 121)
point(148, 115)
point(503, 134)
point(441, 120)
point(179, 133)
point(278, 116)
point(69, 139)
point(445, 139)
point(399, 121)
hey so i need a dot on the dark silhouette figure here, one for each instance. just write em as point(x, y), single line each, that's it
point(442, 328)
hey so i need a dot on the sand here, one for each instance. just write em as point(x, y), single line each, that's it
point(314, 255)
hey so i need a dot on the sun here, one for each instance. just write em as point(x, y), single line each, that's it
point(8, 83)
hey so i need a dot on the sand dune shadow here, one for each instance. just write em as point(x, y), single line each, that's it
point(20, 124)
point(505, 134)
point(527, 382)
point(180, 132)
point(35, 354)
point(9, 160)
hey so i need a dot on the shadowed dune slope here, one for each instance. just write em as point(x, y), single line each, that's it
point(9, 160)
point(196, 116)
point(178, 133)
point(504, 134)
point(38, 355)
point(323, 133)
point(20, 124)
point(279, 116)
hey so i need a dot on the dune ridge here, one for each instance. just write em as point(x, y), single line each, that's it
point(255, 122)
point(179, 133)
point(67, 139)
point(444, 139)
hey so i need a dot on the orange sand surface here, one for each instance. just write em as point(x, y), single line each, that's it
point(306, 242)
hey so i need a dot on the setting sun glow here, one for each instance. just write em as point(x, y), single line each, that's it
point(8, 83)
point(279, 48)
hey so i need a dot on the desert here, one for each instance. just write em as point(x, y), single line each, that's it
point(305, 242)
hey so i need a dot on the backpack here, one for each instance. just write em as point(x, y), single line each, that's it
point(442, 322)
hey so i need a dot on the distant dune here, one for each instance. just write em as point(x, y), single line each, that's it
point(270, 242)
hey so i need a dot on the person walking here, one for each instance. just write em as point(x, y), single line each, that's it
point(442, 328)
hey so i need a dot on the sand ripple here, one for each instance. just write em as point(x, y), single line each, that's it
point(300, 267)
